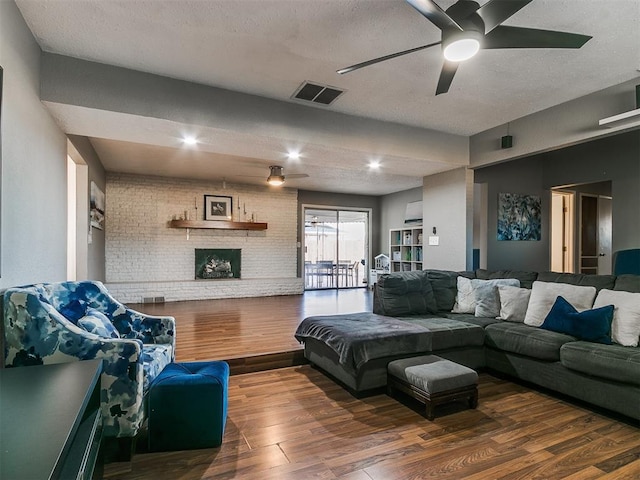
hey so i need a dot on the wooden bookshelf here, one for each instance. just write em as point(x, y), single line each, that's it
point(217, 225)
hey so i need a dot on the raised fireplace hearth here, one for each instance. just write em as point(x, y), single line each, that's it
point(217, 263)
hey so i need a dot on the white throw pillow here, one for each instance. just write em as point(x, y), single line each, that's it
point(513, 303)
point(487, 297)
point(544, 294)
point(465, 299)
point(625, 328)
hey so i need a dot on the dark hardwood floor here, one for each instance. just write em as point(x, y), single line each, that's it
point(295, 423)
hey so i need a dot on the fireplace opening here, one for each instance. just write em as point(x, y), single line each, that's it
point(217, 263)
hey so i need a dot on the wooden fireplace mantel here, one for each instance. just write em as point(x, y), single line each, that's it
point(217, 224)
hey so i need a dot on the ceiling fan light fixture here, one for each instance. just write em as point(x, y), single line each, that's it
point(461, 46)
point(276, 177)
point(275, 180)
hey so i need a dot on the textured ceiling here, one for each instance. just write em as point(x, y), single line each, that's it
point(268, 48)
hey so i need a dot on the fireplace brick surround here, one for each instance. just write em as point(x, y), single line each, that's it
point(145, 258)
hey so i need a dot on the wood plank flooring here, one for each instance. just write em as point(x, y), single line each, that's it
point(238, 328)
point(296, 423)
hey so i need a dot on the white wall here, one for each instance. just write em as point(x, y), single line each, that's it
point(392, 210)
point(34, 196)
point(448, 206)
point(146, 258)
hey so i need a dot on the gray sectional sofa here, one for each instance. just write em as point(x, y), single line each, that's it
point(413, 316)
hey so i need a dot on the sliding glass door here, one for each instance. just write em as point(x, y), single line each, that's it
point(336, 245)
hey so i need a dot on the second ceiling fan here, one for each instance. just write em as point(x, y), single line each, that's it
point(468, 27)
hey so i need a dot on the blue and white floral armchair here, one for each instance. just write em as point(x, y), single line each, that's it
point(69, 321)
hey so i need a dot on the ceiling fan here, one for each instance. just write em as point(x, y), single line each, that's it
point(276, 175)
point(468, 27)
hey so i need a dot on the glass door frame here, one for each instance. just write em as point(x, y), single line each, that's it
point(337, 210)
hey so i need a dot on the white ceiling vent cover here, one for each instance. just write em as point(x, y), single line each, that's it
point(316, 93)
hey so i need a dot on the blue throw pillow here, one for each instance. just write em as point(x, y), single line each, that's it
point(590, 325)
point(74, 310)
point(97, 322)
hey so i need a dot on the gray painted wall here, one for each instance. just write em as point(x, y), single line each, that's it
point(523, 177)
point(560, 126)
point(448, 206)
point(392, 210)
point(95, 250)
point(34, 170)
point(308, 197)
point(615, 158)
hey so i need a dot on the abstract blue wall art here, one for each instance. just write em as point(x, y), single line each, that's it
point(519, 217)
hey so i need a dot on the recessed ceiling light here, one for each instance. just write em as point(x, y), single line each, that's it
point(374, 164)
point(189, 140)
point(293, 155)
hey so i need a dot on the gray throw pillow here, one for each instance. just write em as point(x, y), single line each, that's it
point(513, 303)
point(487, 297)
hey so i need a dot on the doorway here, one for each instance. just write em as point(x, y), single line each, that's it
point(581, 228)
point(77, 217)
point(336, 247)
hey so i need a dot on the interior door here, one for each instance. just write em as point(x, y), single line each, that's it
point(588, 234)
point(604, 236)
point(595, 234)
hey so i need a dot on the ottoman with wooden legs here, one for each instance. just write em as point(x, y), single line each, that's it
point(433, 381)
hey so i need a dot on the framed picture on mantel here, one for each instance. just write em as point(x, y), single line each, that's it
point(217, 207)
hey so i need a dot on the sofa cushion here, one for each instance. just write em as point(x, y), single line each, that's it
point(404, 293)
point(613, 362)
point(544, 294)
point(526, 278)
point(447, 333)
point(97, 323)
point(625, 328)
point(597, 281)
point(525, 340)
point(628, 283)
point(444, 285)
point(154, 358)
point(591, 325)
point(471, 318)
point(513, 303)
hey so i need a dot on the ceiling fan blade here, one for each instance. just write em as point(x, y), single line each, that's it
point(436, 15)
point(517, 37)
point(357, 66)
point(494, 12)
point(297, 175)
point(446, 76)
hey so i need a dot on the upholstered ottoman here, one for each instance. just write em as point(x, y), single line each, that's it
point(187, 406)
point(433, 380)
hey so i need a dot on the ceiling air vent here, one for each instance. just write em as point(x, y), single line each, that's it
point(312, 92)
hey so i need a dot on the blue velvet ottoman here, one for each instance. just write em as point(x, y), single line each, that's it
point(187, 406)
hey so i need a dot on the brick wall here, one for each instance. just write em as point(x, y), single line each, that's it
point(146, 258)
